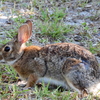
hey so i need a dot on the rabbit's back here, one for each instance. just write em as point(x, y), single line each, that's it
point(60, 52)
point(56, 56)
point(66, 50)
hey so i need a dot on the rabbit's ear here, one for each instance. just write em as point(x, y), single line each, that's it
point(24, 33)
point(30, 26)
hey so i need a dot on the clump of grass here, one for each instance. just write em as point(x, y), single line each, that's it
point(4, 41)
point(11, 92)
point(19, 19)
point(94, 49)
point(53, 29)
point(52, 24)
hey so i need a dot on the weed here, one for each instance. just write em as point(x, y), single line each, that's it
point(11, 92)
point(11, 71)
point(4, 41)
point(85, 26)
point(19, 19)
point(53, 29)
point(52, 24)
point(42, 40)
point(93, 49)
point(53, 95)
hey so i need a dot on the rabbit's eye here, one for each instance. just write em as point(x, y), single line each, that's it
point(7, 49)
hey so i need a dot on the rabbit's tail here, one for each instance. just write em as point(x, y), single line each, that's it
point(94, 89)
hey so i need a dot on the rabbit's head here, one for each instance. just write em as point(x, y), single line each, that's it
point(13, 50)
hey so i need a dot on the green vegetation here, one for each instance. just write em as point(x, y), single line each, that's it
point(52, 24)
point(94, 49)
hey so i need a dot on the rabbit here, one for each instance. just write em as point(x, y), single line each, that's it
point(63, 64)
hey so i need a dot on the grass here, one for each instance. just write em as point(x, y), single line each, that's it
point(52, 24)
point(53, 29)
point(12, 92)
point(48, 20)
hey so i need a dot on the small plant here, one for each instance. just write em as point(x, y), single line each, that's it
point(85, 26)
point(19, 19)
point(11, 92)
point(53, 29)
point(4, 41)
point(93, 49)
point(58, 15)
point(42, 40)
point(52, 24)
point(11, 71)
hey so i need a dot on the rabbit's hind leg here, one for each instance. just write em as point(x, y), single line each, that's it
point(80, 78)
point(70, 73)
point(71, 85)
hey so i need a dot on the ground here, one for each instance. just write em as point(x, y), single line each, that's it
point(76, 21)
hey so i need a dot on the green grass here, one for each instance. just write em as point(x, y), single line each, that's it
point(11, 92)
point(94, 49)
point(52, 24)
point(55, 30)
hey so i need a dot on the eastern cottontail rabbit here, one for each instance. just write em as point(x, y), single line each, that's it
point(65, 64)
